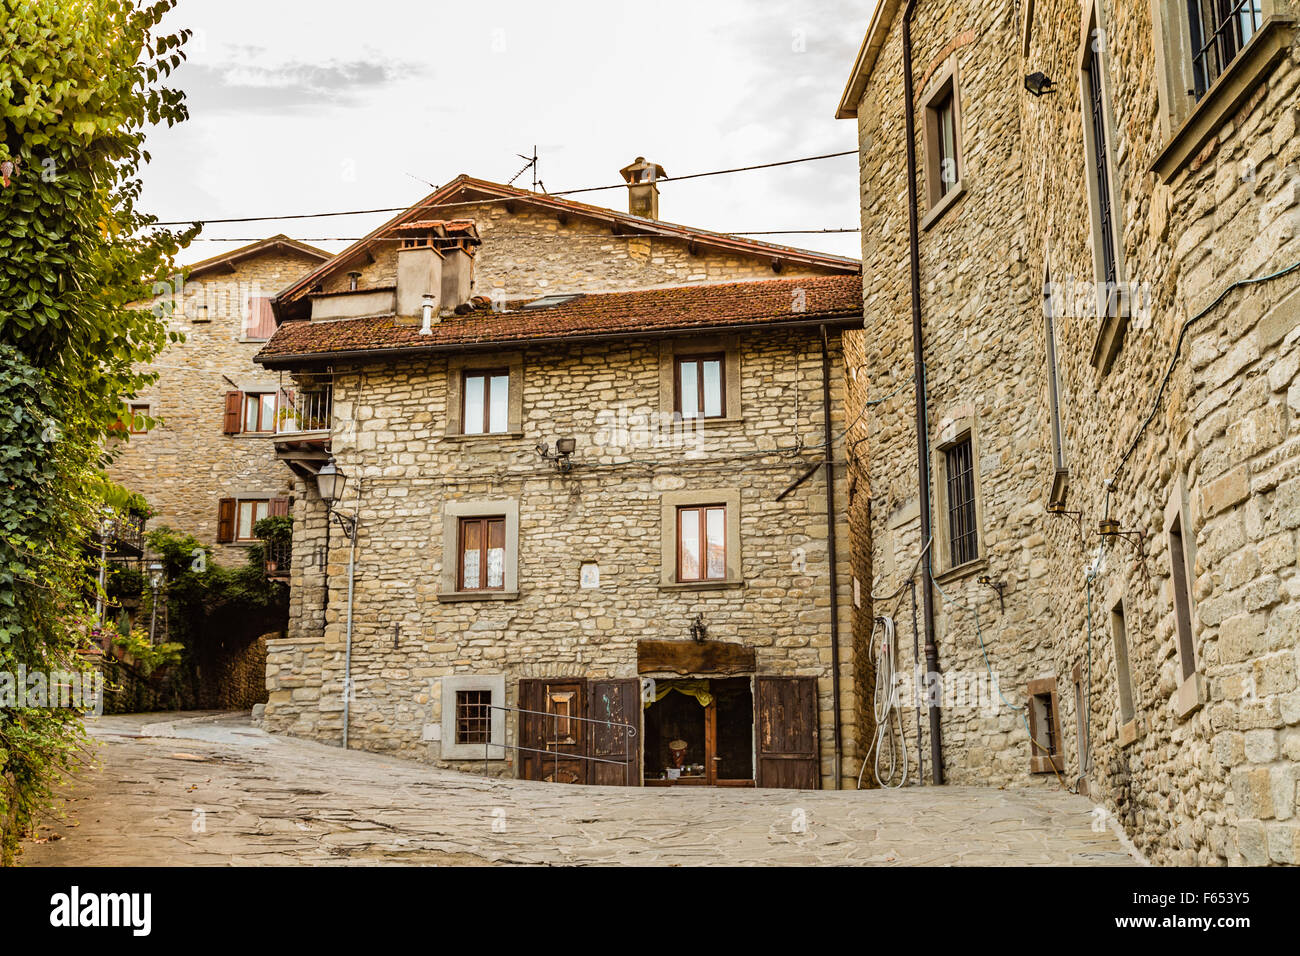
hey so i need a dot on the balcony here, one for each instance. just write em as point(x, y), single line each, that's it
point(277, 557)
point(302, 429)
point(126, 536)
point(305, 413)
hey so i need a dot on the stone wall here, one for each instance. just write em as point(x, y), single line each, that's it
point(185, 463)
point(390, 437)
point(529, 251)
point(1191, 784)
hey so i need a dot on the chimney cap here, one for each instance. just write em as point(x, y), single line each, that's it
point(635, 171)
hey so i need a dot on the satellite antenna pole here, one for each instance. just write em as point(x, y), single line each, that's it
point(531, 164)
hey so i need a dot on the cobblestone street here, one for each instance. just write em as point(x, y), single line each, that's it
point(210, 789)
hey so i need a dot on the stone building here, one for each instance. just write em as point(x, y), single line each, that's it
point(580, 488)
point(1105, 247)
point(199, 443)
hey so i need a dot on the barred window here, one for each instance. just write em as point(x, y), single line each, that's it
point(1219, 29)
point(963, 535)
point(473, 716)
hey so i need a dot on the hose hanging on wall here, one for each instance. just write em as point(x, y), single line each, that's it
point(889, 717)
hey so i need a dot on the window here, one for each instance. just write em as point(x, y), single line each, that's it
point(1218, 30)
point(1181, 562)
point(1044, 728)
point(699, 379)
point(941, 136)
point(1123, 680)
point(482, 554)
point(473, 723)
point(700, 387)
point(259, 412)
point(248, 514)
point(473, 716)
point(1054, 398)
point(1103, 196)
point(1099, 161)
point(702, 543)
point(480, 550)
point(959, 472)
point(138, 412)
point(486, 402)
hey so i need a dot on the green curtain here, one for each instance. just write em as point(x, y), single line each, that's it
point(699, 689)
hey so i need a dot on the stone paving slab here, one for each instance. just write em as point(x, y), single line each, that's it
point(210, 789)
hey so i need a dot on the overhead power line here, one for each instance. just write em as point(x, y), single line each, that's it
point(764, 232)
point(483, 202)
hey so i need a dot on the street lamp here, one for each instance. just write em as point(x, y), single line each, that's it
point(330, 483)
point(155, 582)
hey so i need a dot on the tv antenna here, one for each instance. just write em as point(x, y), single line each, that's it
point(531, 164)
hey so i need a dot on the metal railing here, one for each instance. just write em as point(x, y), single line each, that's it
point(277, 557)
point(629, 732)
point(126, 534)
point(1219, 30)
point(308, 411)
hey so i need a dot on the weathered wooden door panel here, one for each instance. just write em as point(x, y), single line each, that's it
point(785, 721)
point(618, 701)
point(556, 743)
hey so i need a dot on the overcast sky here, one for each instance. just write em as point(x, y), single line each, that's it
point(318, 106)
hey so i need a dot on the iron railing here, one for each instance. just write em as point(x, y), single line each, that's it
point(629, 732)
point(1219, 30)
point(126, 534)
point(277, 557)
point(307, 411)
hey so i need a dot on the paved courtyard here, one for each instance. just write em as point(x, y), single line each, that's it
point(211, 789)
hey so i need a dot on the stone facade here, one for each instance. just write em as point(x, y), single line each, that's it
point(528, 251)
point(1204, 769)
point(407, 474)
point(185, 463)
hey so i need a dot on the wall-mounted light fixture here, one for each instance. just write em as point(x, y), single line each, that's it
point(699, 630)
point(1039, 83)
point(1059, 511)
point(988, 582)
point(1109, 528)
point(563, 454)
point(330, 483)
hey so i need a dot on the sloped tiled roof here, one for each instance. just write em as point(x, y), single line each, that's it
point(227, 260)
point(835, 299)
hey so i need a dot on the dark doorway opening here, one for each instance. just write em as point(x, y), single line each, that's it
point(711, 721)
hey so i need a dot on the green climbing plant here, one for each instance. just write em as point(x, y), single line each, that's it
point(80, 83)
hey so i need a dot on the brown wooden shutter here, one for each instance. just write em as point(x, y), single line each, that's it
point(234, 411)
point(567, 767)
point(260, 319)
point(785, 717)
point(226, 520)
point(277, 507)
point(618, 701)
point(530, 733)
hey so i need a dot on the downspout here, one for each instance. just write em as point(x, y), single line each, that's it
point(922, 424)
point(347, 649)
point(832, 555)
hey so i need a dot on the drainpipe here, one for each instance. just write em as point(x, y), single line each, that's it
point(922, 424)
point(832, 554)
point(347, 647)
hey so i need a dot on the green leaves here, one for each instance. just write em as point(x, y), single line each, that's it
point(78, 87)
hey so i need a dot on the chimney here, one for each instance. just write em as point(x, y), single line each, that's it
point(457, 245)
point(419, 273)
point(643, 187)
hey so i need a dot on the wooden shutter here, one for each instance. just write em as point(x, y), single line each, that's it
point(785, 717)
point(618, 701)
point(277, 507)
point(260, 319)
point(234, 412)
point(226, 520)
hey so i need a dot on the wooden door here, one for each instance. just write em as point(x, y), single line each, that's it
point(555, 743)
point(785, 720)
point(618, 701)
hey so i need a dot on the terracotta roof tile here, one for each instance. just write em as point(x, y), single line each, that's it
point(603, 314)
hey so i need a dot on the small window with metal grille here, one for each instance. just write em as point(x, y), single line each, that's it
point(473, 716)
point(963, 533)
point(1219, 29)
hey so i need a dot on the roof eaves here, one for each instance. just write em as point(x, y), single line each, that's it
point(865, 62)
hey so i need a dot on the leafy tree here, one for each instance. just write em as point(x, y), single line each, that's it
point(80, 83)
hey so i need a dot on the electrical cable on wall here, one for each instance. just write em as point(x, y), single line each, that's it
point(889, 716)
